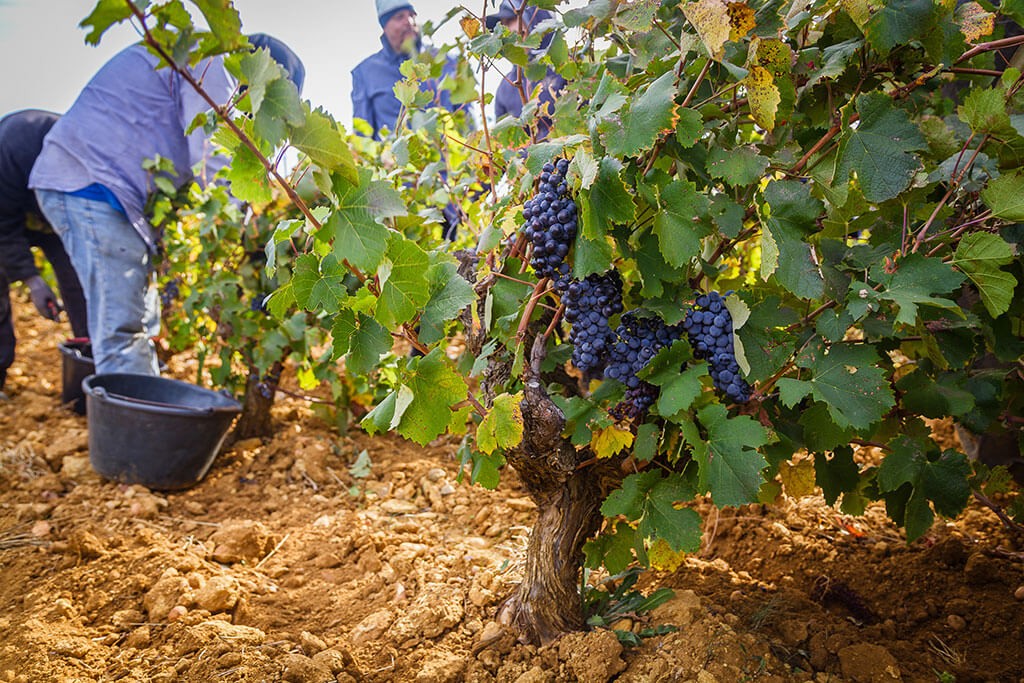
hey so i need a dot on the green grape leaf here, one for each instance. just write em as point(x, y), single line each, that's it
point(837, 474)
point(404, 287)
point(614, 550)
point(650, 498)
point(789, 214)
point(980, 256)
point(104, 15)
point(609, 201)
point(941, 480)
point(361, 337)
point(637, 126)
point(935, 397)
point(324, 142)
point(258, 69)
point(821, 433)
point(915, 282)
point(502, 426)
point(739, 166)
point(318, 286)
point(353, 226)
point(678, 225)
point(450, 293)
point(846, 378)
point(248, 177)
point(879, 149)
point(281, 107)
point(689, 127)
point(730, 467)
point(436, 386)
point(1005, 196)
point(661, 519)
point(984, 110)
point(898, 22)
point(224, 22)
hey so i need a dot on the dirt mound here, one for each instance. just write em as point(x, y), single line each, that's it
point(315, 556)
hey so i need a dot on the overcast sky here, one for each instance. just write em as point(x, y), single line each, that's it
point(46, 61)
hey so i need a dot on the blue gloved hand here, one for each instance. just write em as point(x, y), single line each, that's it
point(43, 298)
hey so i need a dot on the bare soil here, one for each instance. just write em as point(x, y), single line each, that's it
point(283, 566)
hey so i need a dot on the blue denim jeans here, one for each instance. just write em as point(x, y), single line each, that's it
point(115, 269)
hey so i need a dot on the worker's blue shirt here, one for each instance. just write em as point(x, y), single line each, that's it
point(129, 112)
point(373, 88)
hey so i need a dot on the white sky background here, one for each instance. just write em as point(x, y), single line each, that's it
point(46, 61)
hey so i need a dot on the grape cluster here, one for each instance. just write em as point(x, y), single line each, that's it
point(258, 304)
point(638, 340)
point(551, 222)
point(170, 293)
point(709, 327)
point(589, 303)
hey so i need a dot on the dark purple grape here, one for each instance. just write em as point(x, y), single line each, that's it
point(550, 223)
point(708, 326)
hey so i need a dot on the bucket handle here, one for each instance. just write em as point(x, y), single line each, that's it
point(210, 410)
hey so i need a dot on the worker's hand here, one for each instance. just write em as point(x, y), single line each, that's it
point(43, 298)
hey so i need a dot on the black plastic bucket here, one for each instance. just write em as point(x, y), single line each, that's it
point(158, 432)
point(76, 365)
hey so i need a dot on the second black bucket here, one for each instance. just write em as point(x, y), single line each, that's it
point(161, 433)
point(76, 365)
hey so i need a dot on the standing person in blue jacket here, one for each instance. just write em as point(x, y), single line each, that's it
point(22, 226)
point(373, 80)
point(519, 17)
point(93, 189)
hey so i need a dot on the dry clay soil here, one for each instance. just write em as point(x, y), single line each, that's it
point(282, 565)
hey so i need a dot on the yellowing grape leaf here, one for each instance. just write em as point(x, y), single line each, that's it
point(470, 26)
point(741, 20)
point(763, 96)
point(859, 11)
point(798, 479)
point(711, 19)
point(502, 427)
point(610, 440)
point(663, 558)
point(773, 54)
point(975, 22)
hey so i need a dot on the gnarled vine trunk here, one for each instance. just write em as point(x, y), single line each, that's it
point(255, 420)
point(547, 603)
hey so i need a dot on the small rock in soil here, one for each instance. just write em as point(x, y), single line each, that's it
point(981, 570)
point(536, 675)
point(139, 638)
point(311, 644)
point(681, 610)
point(866, 663)
point(956, 622)
point(302, 669)
point(78, 468)
point(240, 541)
point(593, 657)
point(166, 593)
point(1019, 593)
point(437, 609)
point(441, 668)
point(218, 594)
point(371, 627)
point(337, 661)
point(215, 631)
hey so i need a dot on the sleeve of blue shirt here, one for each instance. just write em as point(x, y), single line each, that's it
point(361, 108)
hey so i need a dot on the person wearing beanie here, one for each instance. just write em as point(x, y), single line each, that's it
point(373, 80)
point(519, 17)
point(21, 227)
point(92, 188)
